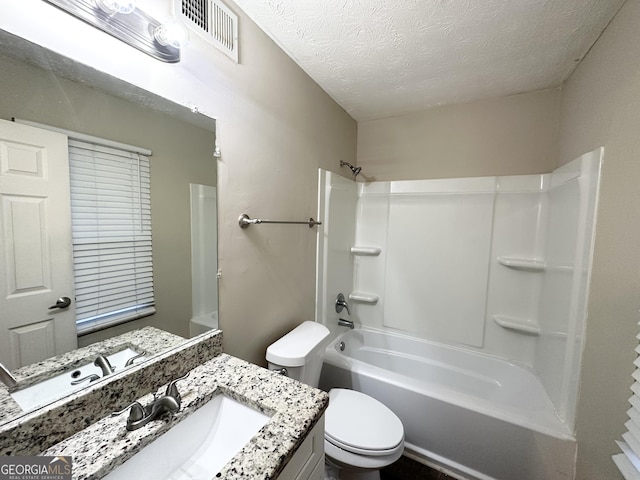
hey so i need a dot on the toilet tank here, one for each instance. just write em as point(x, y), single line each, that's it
point(300, 351)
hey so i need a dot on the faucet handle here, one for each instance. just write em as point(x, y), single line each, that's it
point(92, 378)
point(341, 303)
point(137, 412)
point(172, 388)
point(134, 358)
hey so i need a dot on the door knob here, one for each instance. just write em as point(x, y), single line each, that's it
point(62, 302)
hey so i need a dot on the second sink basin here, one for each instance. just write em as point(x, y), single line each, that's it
point(197, 447)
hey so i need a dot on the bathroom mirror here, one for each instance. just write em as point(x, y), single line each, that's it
point(43, 87)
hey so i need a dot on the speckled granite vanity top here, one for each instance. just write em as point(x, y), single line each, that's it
point(34, 432)
point(294, 409)
point(147, 340)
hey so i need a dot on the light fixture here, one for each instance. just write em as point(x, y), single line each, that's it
point(172, 32)
point(116, 6)
point(122, 20)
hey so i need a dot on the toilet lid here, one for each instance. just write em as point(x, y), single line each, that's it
point(360, 424)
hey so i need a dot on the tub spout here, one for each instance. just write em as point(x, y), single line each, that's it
point(345, 323)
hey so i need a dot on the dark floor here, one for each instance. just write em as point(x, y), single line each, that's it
point(407, 469)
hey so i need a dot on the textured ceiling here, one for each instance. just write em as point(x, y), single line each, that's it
point(379, 58)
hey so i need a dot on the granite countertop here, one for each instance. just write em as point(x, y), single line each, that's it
point(147, 340)
point(294, 409)
point(36, 431)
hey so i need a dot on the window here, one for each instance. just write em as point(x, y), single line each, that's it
point(111, 227)
point(628, 462)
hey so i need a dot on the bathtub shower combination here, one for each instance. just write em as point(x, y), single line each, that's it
point(469, 298)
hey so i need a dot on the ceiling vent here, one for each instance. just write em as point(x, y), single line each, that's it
point(212, 20)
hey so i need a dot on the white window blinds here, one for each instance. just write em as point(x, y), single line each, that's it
point(628, 462)
point(111, 218)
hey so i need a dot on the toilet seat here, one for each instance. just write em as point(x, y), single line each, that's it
point(359, 424)
point(354, 461)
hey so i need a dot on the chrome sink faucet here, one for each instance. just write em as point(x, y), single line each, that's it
point(106, 367)
point(169, 403)
point(104, 364)
point(6, 377)
point(140, 416)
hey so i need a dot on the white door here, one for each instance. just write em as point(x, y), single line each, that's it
point(35, 246)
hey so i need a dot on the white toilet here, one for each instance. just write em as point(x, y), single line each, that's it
point(361, 434)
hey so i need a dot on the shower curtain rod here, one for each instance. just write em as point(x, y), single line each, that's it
point(244, 221)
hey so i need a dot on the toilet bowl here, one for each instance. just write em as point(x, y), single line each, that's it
point(361, 434)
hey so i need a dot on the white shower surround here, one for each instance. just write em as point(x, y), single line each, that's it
point(204, 259)
point(514, 287)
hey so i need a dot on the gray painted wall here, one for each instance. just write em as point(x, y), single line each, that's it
point(601, 106)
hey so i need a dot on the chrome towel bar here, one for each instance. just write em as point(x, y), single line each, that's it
point(244, 221)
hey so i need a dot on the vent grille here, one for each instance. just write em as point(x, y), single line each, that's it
point(224, 27)
point(197, 12)
point(214, 21)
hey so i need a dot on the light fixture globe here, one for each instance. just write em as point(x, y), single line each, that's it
point(112, 7)
point(171, 33)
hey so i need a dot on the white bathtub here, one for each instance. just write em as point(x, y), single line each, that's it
point(476, 416)
point(203, 323)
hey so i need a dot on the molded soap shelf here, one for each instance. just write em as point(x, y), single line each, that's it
point(369, 251)
point(361, 297)
point(521, 325)
point(531, 264)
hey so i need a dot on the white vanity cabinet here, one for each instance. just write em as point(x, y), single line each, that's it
point(308, 461)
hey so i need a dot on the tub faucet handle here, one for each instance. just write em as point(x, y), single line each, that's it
point(341, 303)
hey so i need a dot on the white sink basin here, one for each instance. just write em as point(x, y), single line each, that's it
point(52, 389)
point(198, 447)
